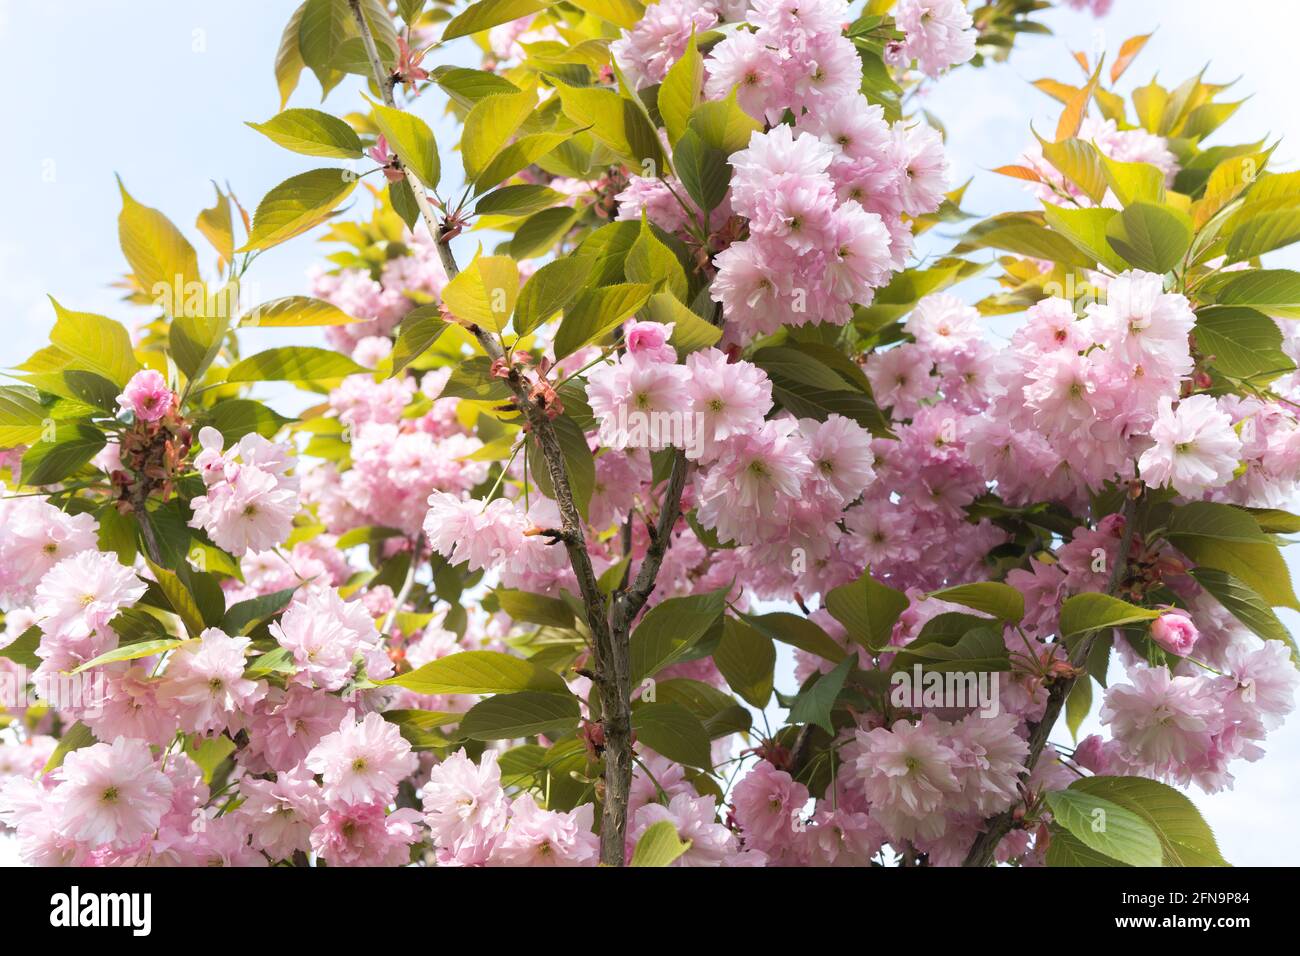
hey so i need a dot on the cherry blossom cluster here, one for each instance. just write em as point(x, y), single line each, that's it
point(823, 202)
point(251, 498)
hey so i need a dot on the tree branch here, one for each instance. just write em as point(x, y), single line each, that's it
point(986, 844)
point(629, 602)
point(609, 645)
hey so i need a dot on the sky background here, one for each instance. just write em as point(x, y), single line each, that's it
point(157, 91)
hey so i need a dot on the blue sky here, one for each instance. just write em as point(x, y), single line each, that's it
point(158, 91)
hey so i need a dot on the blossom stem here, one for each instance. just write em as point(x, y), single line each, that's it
point(995, 828)
point(610, 642)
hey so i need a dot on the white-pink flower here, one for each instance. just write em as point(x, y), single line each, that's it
point(537, 837)
point(205, 682)
point(466, 808)
point(363, 761)
point(112, 794)
point(1195, 450)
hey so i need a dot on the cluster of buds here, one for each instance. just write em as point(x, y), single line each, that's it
point(607, 189)
point(1147, 572)
point(775, 754)
point(153, 455)
point(541, 392)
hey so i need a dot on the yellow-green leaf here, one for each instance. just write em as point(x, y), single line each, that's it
point(298, 204)
point(484, 293)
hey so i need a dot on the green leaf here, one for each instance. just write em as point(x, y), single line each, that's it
point(723, 125)
point(813, 706)
point(298, 204)
point(804, 385)
point(867, 609)
point(670, 629)
point(537, 608)
point(93, 343)
point(294, 363)
point(196, 336)
point(73, 739)
point(550, 289)
point(651, 262)
point(1229, 539)
point(117, 533)
point(523, 714)
point(597, 313)
point(1086, 228)
point(237, 417)
point(22, 649)
point(159, 255)
point(22, 417)
point(703, 169)
point(617, 122)
point(1094, 611)
point(418, 727)
point(1150, 237)
point(1241, 342)
point(288, 59)
point(1065, 849)
point(242, 617)
point(520, 200)
point(1263, 233)
point(420, 328)
point(295, 311)
point(1134, 182)
point(1078, 704)
point(622, 13)
point(179, 597)
point(323, 27)
point(484, 293)
point(690, 332)
point(719, 712)
point(680, 91)
point(659, 845)
point(975, 648)
point(480, 672)
point(1272, 291)
point(466, 87)
point(746, 658)
point(673, 732)
point(1184, 836)
point(1106, 827)
point(1080, 162)
point(312, 133)
point(523, 152)
point(1001, 600)
point(74, 444)
point(277, 661)
point(489, 13)
point(412, 140)
point(1245, 604)
point(796, 631)
point(130, 652)
point(209, 753)
point(1025, 234)
point(489, 126)
point(538, 234)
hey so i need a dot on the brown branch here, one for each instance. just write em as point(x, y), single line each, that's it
point(610, 646)
point(982, 850)
point(628, 603)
